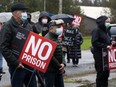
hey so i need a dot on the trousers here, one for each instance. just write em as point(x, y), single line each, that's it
point(22, 76)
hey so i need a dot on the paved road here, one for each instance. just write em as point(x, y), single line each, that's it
point(85, 63)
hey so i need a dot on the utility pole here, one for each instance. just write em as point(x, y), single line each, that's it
point(44, 5)
point(60, 7)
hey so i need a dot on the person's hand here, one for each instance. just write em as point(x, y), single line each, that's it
point(20, 65)
point(61, 68)
point(109, 47)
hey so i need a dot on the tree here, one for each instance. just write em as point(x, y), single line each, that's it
point(69, 7)
point(112, 6)
point(52, 6)
point(34, 5)
point(5, 4)
point(86, 2)
point(104, 3)
point(97, 2)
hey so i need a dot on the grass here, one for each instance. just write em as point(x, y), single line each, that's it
point(87, 43)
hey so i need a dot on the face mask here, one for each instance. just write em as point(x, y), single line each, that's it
point(107, 25)
point(24, 16)
point(44, 21)
point(59, 31)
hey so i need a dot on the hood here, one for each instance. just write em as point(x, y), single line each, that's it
point(101, 22)
point(44, 14)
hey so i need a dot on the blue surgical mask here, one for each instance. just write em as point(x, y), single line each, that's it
point(59, 31)
point(107, 25)
point(24, 16)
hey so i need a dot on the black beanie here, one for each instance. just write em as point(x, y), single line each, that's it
point(101, 19)
point(18, 6)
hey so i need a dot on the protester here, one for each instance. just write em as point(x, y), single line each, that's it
point(65, 48)
point(101, 39)
point(54, 73)
point(42, 25)
point(19, 72)
point(75, 50)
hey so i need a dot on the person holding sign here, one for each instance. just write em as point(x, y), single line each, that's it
point(54, 73)
point(101, 39)
point(21, 74)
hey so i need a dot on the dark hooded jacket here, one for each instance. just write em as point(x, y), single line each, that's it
point(39, 27)
point(100, 35)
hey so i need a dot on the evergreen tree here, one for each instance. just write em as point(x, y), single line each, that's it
point(112, 5)
point(86, 2)
point(52, 6)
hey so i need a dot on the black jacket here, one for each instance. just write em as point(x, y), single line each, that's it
point(39, 27)
point(7, 33)
point(100, 35)
point(75, 50)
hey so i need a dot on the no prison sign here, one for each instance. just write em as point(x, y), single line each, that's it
point(37, 52)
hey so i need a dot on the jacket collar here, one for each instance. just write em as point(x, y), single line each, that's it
point(14, 22)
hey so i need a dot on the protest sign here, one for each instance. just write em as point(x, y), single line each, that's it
point(112, 58)
point(77, 21)
point(69, 37)
point(109, 58)
point(18, 41)
point(33, 49)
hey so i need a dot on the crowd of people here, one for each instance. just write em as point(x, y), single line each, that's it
point(51, 29)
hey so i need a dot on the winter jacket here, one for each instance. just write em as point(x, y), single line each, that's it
point(100, 35)
point(39, 27)
point(57, 57)
point(75, 50)
point(8, 32)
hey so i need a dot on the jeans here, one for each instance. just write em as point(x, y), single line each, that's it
point(1, 62)
point(21, 76)
point(54, 80)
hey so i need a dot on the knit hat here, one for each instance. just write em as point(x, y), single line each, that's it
point(18, 6)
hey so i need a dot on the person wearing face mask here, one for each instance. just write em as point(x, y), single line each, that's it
point(42, 25)
point(19, 73)
point(75, 50)
point(54, 74)
point(101, 39)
